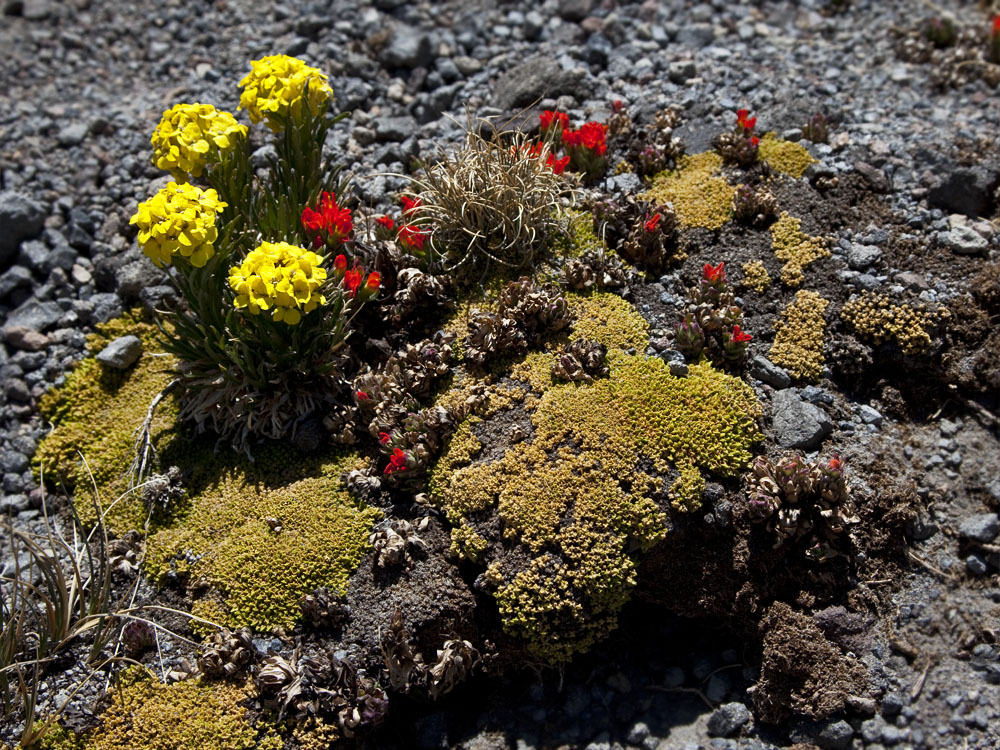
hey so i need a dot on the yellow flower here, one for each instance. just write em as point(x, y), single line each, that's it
point(190, 136)
point(279, 277)
point(276, 87)
point(179, 219)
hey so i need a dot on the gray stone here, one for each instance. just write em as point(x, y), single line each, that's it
point(912, 280)
point(638, 734)
point(38, 316)
point(963, 240)
point(967, 191)
point(13, 503)
point(14, 278)
point(870, 415)
point(836, 735)
point(767, 372)
point(797, 423)
point(982, 528)
point(575, 10)
point(72, 134)
point(696, 35)
point(866, 282)
point(860, 257)
point(535, 79)
point(20, 218)
point(13, 462)
point(408, 47)
point(394, 128)
point(976, 565)
point(121, 353)
point(106, 307)
point(681, 71)
point(728, 719)
point(876, 178)
point(33, 254)
point(133, 277)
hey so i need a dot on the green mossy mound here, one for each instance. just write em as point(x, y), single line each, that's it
point(256, 537)
point(96, 414)
point(147, 715)
point(575, 501)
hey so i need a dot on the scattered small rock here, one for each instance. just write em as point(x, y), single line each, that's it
point(121, 353)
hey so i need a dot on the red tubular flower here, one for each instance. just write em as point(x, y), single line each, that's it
point(548, 119)
point(373, 281)
point(754, 141)
point(352, 280)
point(651, 225)
point(362, 396)
point(714, 274)
point(340, 265)
point(397, 461)
point(385, 221)
point(572, 138)
point(409, 203)
point(739, 337)
point(741, 115)
point(996, 25)
point(312, 220)
point(384, 437)
point(617, 106)
point(557, 165)
point(411, 237)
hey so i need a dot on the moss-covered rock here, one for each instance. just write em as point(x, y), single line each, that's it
point(700, 195)
point(796, 248)
point(799, 336)
point(784, 156)
point(95, 415)
point(263, 535)
point(566, 513)
point(145, 714)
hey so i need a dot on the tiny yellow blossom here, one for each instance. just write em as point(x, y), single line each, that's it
point(279, 277)
point(179, 219)
point(190, 136)
point(276, 87)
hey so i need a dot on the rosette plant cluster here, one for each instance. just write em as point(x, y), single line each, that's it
point(741, 145)
point(269, 276)
point(712, 324)
point(806, 502)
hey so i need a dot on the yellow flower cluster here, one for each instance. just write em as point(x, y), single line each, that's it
point(190, 136)
point(179, 219)
point(276, 87)
point(279, 277)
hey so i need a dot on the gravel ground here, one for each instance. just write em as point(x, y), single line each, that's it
point(85, 82)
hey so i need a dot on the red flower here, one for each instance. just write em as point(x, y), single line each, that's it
point(996, 24)
point(374, 279)
point(411, 237)
point(835, 463)
point(397, 461)
point(340, 264)
point(571, 138)
point(754, 141)
point(548, 118)
point(592, 135)
point(409, 203)
point(312, 220)
point(362, 396)
point(650, 226)
point(385, 221)
point(352, 280)
point(744, 121)
point(617, 106)
point(384, 437)
point(714, 274)
point(739, 337)
point(557, 165)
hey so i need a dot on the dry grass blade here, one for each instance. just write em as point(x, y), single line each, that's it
point(494, 200)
